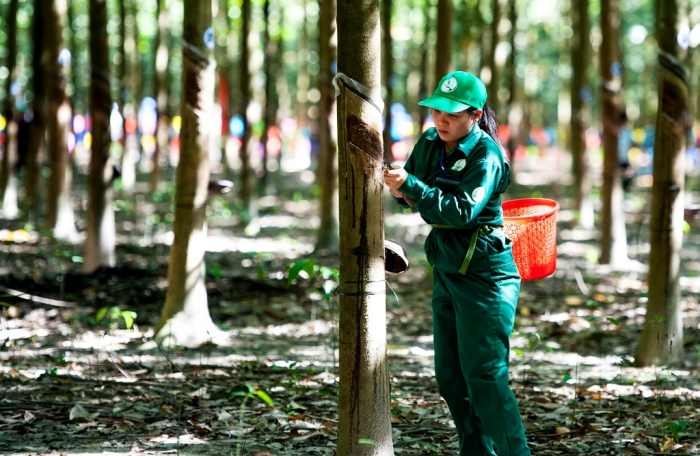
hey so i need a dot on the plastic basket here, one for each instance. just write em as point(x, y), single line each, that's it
point(531, 223)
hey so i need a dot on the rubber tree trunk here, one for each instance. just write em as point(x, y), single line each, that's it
point(613, 235)
point(423, 87)
point(443, 41)
point(514, 112)
point(185, 319)
point(327, 175)
point(161, 93)
point(364, 426)
point(580, 62)
point(37, 127)
point(387, 77)
point(101, 231)
point(661, 340)
point(8, 178)
point(246, 173)
point(60, 217)
point(495, 78)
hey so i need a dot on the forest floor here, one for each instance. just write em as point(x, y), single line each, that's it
point(70, 384)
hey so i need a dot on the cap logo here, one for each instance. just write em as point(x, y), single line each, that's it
point(449, 85)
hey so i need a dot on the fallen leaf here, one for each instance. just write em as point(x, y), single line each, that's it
point(561, 430)
point(78, 412)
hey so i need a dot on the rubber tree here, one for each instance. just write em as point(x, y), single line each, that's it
point(661, 340)
point(327, 175)
point(613, 235)
point(8, 178)
point(59, 217)
point(185, 319)
point(364, 426)
point(580, 100)
point(100, 236)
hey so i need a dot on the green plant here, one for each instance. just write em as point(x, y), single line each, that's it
point(247, 391)
point(677, 428)
point(112, 316)
point(323, 278)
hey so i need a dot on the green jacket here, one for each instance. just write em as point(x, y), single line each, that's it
point(460, 196)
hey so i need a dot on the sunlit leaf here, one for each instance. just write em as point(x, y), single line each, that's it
point(264, 397)
point(101, 313)
point(129, 317)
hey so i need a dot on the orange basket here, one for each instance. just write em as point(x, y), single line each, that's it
point(531, 223)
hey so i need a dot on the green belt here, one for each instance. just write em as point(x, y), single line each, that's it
point(482, 229)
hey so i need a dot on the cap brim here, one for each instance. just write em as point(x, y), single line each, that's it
point(443, 104)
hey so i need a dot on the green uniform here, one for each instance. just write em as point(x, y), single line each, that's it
point(475, 286)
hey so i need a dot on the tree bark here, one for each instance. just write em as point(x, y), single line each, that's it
point(60, 217)
point(8, 179)
point(37, 127)
point(267, 118)
point(130, 67)
point(161, 93)
point(495, 78)
point(661, 340)
point(443, 41)
point(185, 319)
point(421, 113)
point(101, 232)
point(327, 174)
point(387, 77)
point(514, 112)
point(613, 235)
point(246, 175)
point(580, 94)
point(364, 426)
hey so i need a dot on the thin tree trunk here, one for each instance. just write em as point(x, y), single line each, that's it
point(268, 113)
point(613, 245)
point(129, 97)
point(161, 93)
point(59, 218)
point(244, 76)
point(327, 174)
point(515, 108)
point(495, 78)
point(443, 42)
point(387, 77)
point(8, 179)
point(364, 426)
point(37, 128)
point(423, 69)
point(661, 340)
point(77, 94)
point(100, 236)
point(580, 55)
point(185, 319)
point(223, 95)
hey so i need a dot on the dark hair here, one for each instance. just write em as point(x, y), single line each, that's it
point(487, 122)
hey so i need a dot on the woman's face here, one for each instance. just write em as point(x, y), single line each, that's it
point(453, 127)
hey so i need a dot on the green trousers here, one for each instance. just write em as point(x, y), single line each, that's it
point(473, 317)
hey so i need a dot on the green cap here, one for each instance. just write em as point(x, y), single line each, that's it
point(457, 91)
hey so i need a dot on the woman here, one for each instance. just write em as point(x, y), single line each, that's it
point(454, 178)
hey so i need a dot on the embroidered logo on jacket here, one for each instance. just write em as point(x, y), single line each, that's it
point(478, 194)
point(459, 165)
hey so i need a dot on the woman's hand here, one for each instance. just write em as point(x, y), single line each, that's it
point(394, 179)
